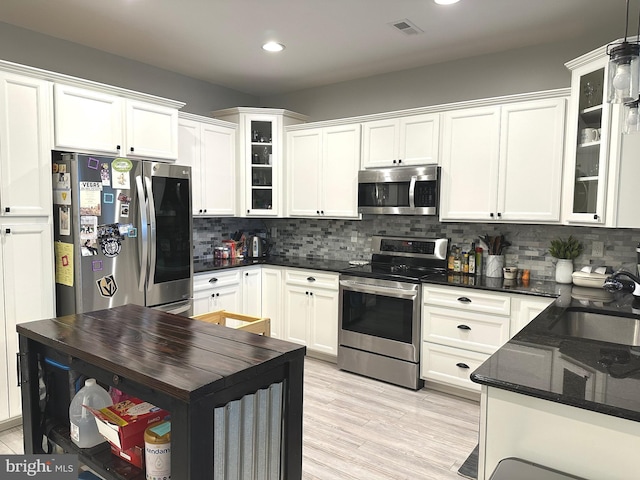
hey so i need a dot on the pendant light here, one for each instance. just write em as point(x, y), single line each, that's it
point(631, 117)
point(624, 68)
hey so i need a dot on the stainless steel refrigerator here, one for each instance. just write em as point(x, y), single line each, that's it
point(123, 233)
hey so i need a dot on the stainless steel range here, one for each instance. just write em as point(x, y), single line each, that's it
point(380, 306)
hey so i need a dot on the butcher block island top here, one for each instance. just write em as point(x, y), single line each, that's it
point(183, 365)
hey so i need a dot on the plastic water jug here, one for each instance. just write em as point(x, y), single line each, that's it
point(84, 431)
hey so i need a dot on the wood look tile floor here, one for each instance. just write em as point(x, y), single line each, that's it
point(359, 428)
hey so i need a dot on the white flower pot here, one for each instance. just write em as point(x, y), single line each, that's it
point(564, 269)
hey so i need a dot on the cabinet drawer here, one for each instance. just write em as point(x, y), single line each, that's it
point(449, 365)
point(216, 279)
point(467, 299)
point(469, 330)
point(311, 278)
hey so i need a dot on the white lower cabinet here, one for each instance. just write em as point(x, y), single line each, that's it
point(272, 298)
point(251, 278)
point(462, 327)
point(310, 304)
point(220, 290)
point(24, 297)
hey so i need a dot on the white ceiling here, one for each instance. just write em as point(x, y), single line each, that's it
point(327, 41)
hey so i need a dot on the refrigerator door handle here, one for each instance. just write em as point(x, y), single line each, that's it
point(152, 233)
point(145, 234)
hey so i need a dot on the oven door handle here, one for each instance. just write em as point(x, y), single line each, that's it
point(375, 290)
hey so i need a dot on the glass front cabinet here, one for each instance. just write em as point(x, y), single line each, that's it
point(260, 147)
point(593, 141)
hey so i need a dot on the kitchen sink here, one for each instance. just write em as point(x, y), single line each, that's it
point(601, 326)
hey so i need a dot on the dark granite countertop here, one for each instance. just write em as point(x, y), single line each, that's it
point(209, 264)
point(594, 375)
point(539, 288)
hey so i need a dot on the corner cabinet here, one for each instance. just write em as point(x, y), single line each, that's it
point(408, 140)
point(504, 162)
point(208, 147)
point(113, 121)
point(260, 149)
point(322, 171)
point(601, 169)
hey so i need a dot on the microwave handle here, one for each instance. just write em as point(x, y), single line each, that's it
point(412, 189)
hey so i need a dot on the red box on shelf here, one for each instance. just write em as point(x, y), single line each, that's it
point(124, 423)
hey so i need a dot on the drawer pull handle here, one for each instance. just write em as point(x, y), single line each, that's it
point(464, 299)
point(311, 279)
point(213, 280)
point(462, 365)
point(464, 327)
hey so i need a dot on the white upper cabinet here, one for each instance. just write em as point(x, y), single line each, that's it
point(531, 153)
point(322, 172)
point(587, 160)
point(411, 140)
point(470, 156)
point(101, 121)
point(208, 147)
point(601, 167)
point(25, 146)
point(152, 130)
point(503, 163)
point(304, 156)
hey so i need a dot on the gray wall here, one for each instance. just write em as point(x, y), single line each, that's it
point(41, 51)
point(516, 71)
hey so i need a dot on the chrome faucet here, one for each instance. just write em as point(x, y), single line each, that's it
point(631, 284)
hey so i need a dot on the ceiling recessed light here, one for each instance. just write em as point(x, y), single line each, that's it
point(273, 47)
point(446, 2)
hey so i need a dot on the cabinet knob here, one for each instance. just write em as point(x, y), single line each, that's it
point(311, 293)
point(464, 299)
point(462, 365)
point(499, 215)
point(246, 274)
point(200, 211)
point(7, 209)
point(317, 212)
point(205, 210)
point(321, 212)
point(595, 217)
point(306, 293)
point(464, 327)
point(399, 161)
point(117, 147)
point(248, 211)
point(7, 231)
point(491, 214)
point(131, 149)
point(394, 161)
point(217, 294)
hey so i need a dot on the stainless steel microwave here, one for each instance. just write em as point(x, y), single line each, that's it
point(399, 190)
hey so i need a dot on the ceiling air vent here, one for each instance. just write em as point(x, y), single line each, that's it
point(406, 27)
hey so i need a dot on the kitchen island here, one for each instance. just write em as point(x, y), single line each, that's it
point(195, 370)
point(561, 400)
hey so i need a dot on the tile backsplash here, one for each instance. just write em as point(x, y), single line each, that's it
point(351, 239)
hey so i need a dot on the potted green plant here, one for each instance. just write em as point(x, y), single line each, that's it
point(566, 251)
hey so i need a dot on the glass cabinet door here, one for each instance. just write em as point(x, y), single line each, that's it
point(591, 146)
point(262, 164)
